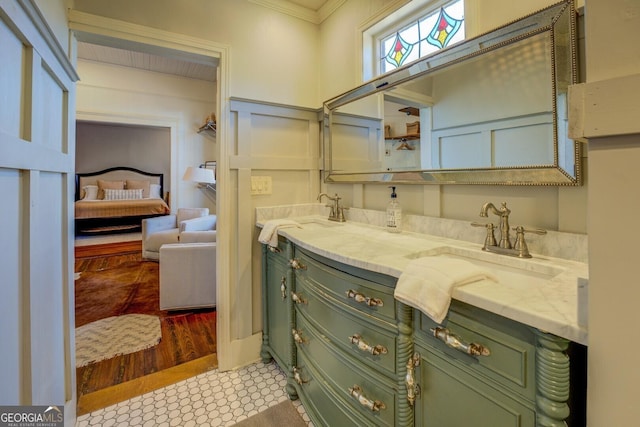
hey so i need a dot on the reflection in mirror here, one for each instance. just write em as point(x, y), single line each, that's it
point(493, 110)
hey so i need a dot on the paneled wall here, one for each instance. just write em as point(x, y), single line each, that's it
point(280, 143)
point(36, 232)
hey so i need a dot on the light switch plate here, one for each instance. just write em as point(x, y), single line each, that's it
point(260, 185)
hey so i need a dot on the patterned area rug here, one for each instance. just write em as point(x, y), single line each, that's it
point(115, 336)
point(106, 290)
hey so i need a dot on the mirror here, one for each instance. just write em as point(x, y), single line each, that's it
point(489, 110)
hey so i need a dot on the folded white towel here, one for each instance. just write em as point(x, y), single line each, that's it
point(269, 233)
point(427, 283)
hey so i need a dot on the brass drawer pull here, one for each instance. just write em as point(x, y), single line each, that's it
point(362, 345)
point(297, 377)
point(297, 298)
point(371, 302)
point(373, 405)
point(283, 287)
point(297, 265)
point(297, 336)
point(456, 342)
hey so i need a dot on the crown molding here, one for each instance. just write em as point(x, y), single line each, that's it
point(328, 8)
point(301, 12)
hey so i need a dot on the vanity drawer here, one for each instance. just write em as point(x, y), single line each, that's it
point(511, 361)
point(351, 383)
point(353, 286)
point(323, 408)
point(370, 341)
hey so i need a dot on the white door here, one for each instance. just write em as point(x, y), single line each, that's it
point(37, 157)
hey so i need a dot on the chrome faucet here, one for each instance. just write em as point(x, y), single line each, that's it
point(503, 213)
point(337, 211)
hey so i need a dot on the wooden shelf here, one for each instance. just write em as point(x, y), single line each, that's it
point(407, 137)
point(412, 111)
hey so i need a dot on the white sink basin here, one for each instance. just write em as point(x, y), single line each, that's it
point(506, 269)
point(319, 222)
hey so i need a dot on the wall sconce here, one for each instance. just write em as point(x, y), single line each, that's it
point(204, 175)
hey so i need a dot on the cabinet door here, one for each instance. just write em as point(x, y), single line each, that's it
point(278, 318)
point(277, 308)
point(450, 397)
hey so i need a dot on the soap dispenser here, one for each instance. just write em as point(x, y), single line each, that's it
point(394, 213)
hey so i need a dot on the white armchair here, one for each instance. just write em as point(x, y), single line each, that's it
point(166, 229)
point(198, 230)
point(187, 276)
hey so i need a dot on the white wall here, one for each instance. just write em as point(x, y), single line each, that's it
point(109, 93)
point(104, 145)
point(273, 55)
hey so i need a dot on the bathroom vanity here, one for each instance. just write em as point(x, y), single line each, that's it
point(356, 356)
point(509, 352)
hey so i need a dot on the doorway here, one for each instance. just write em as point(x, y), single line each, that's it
point(172, 47)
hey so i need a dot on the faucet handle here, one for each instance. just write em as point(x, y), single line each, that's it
point(332, 211)
point(340, 214)
point(521, 245)
point(490, 239)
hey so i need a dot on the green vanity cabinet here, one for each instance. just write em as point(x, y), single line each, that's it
point(350, 334)
point(517, 376)
point(355, 356)
point(492, 390)
point(277, 315)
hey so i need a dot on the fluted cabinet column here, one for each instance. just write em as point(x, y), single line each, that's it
point(552, 380)
point(405, 413)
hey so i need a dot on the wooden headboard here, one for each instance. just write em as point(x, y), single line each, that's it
point(119, 173)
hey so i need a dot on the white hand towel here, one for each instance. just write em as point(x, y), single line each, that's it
point(427, 283)
point(269, 233)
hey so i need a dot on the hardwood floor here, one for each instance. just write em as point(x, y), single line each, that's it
point(188, 343)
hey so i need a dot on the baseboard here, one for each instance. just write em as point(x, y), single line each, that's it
point(246, 351)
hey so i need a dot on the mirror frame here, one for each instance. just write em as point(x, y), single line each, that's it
point(558, 20)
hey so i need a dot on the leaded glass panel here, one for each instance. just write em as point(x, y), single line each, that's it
point(434, 31)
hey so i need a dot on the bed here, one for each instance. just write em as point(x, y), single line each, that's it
point(116, 200)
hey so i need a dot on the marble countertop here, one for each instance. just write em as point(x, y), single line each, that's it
point(545, 297)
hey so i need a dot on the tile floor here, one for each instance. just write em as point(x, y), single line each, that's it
point(210, 399)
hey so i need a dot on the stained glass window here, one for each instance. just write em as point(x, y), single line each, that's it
point(427, 34)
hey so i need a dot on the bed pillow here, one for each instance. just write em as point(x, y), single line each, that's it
point(90, 192)
point(134, 185)
point(113, 194)
point(113, 185)
point(154, 191)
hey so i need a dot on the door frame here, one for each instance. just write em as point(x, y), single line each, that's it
point(110, 32)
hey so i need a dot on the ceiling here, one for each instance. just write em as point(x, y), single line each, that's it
point(179, 67)
point(146, 61)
